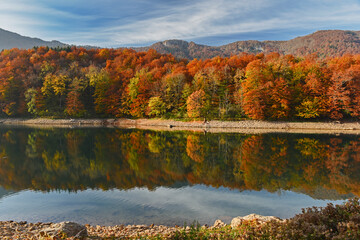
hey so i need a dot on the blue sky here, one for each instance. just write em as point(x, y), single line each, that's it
point(116, 23)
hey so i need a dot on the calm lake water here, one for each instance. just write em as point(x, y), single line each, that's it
point(112, 176)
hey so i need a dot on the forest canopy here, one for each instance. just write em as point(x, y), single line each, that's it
point(75, 82)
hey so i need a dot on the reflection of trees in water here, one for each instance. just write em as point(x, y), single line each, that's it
point(76, 159)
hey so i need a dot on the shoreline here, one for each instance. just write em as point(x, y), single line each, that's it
point(245, 126)
point(25, 230)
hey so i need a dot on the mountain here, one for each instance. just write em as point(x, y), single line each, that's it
point(10, 40)
point(325, 43)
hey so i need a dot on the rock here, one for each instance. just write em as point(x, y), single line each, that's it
point(235, 222)
point(70, 229)
point(218, 224)
point(260, 218)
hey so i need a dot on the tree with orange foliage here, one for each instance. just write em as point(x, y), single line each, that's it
point(345, 88)
point(253, 98)
point(265, 91)
point(195, 104)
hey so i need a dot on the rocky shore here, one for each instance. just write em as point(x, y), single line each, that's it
point(330, 222)
point(246, 126)
point(70, 230)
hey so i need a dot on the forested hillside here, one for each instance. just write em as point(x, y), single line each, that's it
point(75, 82)
point(326, 43)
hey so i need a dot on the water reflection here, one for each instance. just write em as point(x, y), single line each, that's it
point(140, 206)
point(78, 159)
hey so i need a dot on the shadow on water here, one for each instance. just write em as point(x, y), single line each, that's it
point(4, 193)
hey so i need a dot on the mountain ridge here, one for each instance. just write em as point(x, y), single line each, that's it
point(10, 40)
point(324, 43)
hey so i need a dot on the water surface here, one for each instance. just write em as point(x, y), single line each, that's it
point(124, 176)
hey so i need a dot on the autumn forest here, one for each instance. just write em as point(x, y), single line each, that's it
point(75, 82)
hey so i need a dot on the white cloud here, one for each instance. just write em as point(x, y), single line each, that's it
point(28, 18)
point(222, 17)
point(161, 206)
point(191, 20)
point(185, 22)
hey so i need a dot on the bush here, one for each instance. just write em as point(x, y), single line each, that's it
point(330, 222)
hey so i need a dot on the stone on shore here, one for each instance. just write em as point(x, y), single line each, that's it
point(235, 222)
point(218, 224)
point(69, 229)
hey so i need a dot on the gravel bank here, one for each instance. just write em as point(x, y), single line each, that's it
point(248, 126)
point(24, 230)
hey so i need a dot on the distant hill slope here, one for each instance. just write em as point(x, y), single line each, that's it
point(326, 43)
point(10, 40)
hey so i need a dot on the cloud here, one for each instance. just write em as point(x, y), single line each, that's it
point(161, 206)
point(126, 23)
point(186, 22)
point(224, 17)
point(36, 19)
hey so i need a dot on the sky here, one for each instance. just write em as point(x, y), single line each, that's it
point(122, 23)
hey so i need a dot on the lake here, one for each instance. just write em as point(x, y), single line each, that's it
point(110, 176)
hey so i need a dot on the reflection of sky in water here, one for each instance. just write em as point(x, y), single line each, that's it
point(141, 206)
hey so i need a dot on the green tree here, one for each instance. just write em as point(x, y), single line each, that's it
point(55, 89)
point(157, 107)
point(173, 89)
point(30, 97)
point(100, 81)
